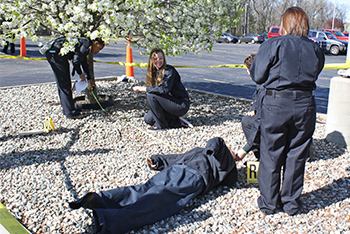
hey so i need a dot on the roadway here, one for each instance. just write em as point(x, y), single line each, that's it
point(233, 82)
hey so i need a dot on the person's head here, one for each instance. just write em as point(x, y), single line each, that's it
point(156, 63)
point(97, 46)
point(157, 59)
point(295, 22)
point(248, 61)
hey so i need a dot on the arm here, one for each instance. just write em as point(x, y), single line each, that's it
point(80, 58)
point(259, 70)
point(170, 78)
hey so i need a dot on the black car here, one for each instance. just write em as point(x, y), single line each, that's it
point(252, 38)
point(227, 38)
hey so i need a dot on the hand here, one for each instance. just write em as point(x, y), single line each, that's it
point(92, 83)
point(240, 155)
point(251, 113)
point(82, 77)
point(139, 88)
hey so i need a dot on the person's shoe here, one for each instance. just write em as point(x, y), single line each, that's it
point(185, 123)
point(76, 115)
point(150, 164)
point(82, 201)
point(155, 129)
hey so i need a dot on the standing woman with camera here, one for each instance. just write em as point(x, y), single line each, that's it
point(166, 95)
point(287, 67)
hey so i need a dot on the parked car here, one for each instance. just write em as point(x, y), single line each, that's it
point(339, 35)
point(346, 34)
point(252, 38)
point(274, 32)
point(227, 38)
point(264, 35)
point(328, 42)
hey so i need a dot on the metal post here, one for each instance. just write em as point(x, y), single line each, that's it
point(333, 15)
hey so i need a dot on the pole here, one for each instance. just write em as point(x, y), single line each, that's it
point(333, 15)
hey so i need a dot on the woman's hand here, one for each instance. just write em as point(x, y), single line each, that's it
point(92, 83)
point(251, 113)
point(240, 155)
point(139, 88)
point(82, 77)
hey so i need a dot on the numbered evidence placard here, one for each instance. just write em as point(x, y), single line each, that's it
point(8, 224)
point(252, 172)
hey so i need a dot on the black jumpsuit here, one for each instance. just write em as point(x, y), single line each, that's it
point(60, 67)
point(167, 101)
point(182, 177)
point(287, 67)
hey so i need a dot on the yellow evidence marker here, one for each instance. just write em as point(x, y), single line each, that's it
point(252, 172)
point(48, 127)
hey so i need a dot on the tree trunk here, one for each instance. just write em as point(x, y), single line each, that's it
point(89, 97)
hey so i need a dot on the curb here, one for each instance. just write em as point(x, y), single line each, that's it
point(244, 100)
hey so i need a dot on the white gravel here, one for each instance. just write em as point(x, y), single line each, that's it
point(40, 174)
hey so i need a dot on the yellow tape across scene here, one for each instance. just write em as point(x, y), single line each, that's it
point(8, 224)
point(326, 66)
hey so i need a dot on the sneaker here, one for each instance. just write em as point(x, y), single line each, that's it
point(155, 129)
point(185, 123)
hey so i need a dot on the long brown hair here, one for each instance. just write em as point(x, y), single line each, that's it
point(295, 21)
point(151, 79)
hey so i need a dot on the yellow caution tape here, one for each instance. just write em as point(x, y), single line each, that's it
point(20, 57)
point(326, 66)
point(48, 125)
point(8, 224)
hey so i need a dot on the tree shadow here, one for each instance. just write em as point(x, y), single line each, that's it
point(17, 159)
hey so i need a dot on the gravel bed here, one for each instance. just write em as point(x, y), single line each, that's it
point(40, 174)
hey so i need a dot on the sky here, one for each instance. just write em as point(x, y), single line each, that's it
point(344, 2)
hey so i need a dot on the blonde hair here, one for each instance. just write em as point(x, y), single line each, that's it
point(295, 21)
point(151, 79)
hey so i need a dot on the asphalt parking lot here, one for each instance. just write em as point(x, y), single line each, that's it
point(233, 82)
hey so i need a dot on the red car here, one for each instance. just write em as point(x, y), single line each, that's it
point(274, 32)
point(339, 35)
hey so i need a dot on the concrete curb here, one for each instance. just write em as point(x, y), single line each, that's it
point(247, 101)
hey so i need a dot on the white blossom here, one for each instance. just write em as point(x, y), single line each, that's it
point(175, 26)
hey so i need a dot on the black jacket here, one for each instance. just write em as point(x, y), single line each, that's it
point(288, 62)
point(171, 84)
point(79, 56)
point(215, 163)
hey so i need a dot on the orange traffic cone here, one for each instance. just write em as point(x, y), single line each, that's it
point(23, 51)
point(129, 70)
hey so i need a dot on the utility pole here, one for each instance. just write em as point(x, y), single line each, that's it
point(333, 15)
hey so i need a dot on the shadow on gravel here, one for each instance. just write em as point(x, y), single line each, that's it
point(324, 150)
point(327, 195)
point(18, 159)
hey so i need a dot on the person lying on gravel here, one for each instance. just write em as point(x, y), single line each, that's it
point(182, 177)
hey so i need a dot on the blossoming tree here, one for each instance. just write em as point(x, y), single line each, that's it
point(176, 26)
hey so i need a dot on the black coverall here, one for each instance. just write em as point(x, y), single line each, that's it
point(288, 68)
point(60, 67)
point(182, 177)
point(251, 124)
point(167, 101)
